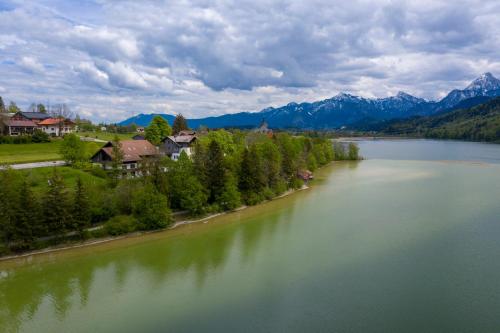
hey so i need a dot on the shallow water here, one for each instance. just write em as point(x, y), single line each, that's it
point(382, 245)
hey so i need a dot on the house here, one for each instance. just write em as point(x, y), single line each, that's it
point(16, 124)
point(135, 154)
point(173, 145)
point(305, 175)
point(56, 126)
point(140, 130)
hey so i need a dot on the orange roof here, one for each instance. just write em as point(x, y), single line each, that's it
point(54, 121)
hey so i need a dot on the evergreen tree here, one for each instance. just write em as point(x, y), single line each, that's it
point(2, 106)
point(157, 130)
point(353, 152)
point(8, 189)
point(26, 218)
point(180, 124)
point(216, 171)
point(55, 208)
point(81, 208)
point(230, 198)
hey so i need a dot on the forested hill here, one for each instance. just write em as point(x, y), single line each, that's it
point(479, 123)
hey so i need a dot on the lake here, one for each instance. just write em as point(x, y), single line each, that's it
point(407, 240)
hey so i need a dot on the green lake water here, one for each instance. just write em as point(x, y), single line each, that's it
point(405, 241)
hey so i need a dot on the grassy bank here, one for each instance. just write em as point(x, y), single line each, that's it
point(36, 152)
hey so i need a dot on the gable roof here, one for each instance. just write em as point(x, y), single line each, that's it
point(54, 121)
point(35, 115)
point(181, 138)
point(133, 150)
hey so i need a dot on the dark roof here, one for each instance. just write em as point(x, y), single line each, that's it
point(35, 115)
point(133, 150)
point(138, 137)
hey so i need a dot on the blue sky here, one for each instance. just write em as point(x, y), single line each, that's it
point(109, 60)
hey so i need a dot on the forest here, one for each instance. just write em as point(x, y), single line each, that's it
point(81, 201)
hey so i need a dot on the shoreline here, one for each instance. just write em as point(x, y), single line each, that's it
point(98, 241)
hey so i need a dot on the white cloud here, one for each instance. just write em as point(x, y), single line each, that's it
point(31, 64)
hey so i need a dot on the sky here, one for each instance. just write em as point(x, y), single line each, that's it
point(109, 60)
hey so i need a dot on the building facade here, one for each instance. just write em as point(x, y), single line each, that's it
point(172, 146)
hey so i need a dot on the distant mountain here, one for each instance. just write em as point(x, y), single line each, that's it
point(479, 123)
point(344, 110)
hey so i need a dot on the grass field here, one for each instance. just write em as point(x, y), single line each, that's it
point(36, 152)
point(106, 136)
point(38, 177)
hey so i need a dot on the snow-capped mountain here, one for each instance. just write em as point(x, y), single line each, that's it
point(345, 109)
point(485, 85)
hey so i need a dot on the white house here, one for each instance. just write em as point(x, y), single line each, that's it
point(56, 126)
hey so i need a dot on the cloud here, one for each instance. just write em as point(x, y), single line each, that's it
point(31, 64)
point(204, 57)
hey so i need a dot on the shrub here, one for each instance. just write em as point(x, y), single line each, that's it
point(151, 209)
point(40, 136)
point(99, 172)
point(120, 224)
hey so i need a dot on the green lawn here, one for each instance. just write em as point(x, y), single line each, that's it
point(106, 136)
point(38, 177)
point(36, 152)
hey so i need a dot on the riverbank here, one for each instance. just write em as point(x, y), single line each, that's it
point(98, 241)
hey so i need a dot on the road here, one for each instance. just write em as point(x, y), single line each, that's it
point(36, 165)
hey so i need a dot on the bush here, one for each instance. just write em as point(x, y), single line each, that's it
point(151, 209)
point(120, 224)
point(268, 193)
point(40, 136)
point(99, 172)
point(296, 183)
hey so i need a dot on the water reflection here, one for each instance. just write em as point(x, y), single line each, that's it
point(70, 280)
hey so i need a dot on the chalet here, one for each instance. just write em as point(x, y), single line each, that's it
point(174, 145)
point(135, 153)
point(56, 126)
point(16, 124)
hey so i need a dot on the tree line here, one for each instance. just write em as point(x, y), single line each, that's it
point(226, 170)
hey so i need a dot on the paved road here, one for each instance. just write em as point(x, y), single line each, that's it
point(37, 165)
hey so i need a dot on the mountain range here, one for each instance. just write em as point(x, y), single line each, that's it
point(345, 110)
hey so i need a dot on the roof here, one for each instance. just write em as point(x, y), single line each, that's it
point(19, 123)
point(182, 138)
point(133, 150)
point(54, 121)
point(35, 115)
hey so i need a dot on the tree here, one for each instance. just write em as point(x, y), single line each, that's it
point(151, 209)
point(72, 149)
point(26, 227)
point(2, 106)
point(186, 190)
point(13, 108)
point(40, 136)
point(41, 108)
point(230, 198)
point(116, 161)
point(8, 190)
point(81, 208)
point(353, 152)
point(180, 124)
point(216, 171)
point(157, 130)
point(55, 208)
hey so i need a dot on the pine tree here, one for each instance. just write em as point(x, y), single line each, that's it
point(216, 170)
point(81, 208)
point(180, 124)
point(55, 208)
point(2, 106)
point(26, 218)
